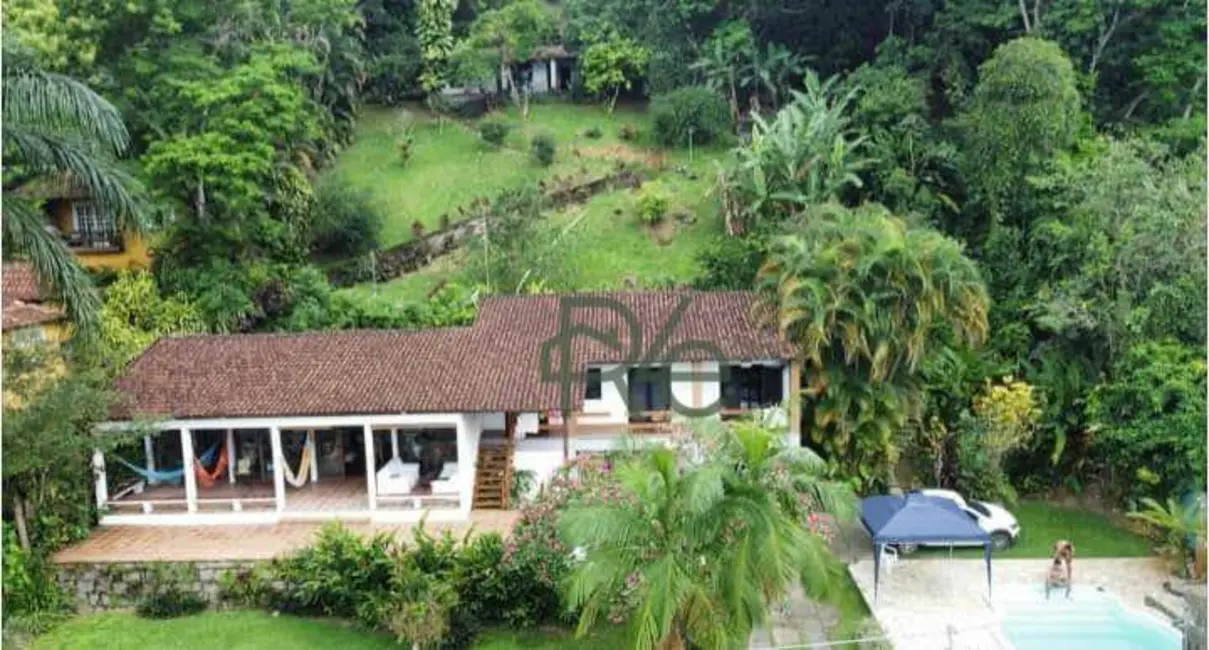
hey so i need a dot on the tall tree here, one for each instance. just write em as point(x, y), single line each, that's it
point(1025, 108)
point(57, 128)
point(506, 39)
point(434, 29)
point(867, 299)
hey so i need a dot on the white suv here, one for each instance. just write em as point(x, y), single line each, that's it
point(994, 519)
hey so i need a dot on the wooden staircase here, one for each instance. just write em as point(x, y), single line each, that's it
point(493, 477)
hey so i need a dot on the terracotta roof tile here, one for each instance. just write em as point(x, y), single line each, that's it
point(22, 298)
point(17, 316)
point(20, 283)
point(494, 365)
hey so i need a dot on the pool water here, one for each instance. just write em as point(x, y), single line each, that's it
point(1089, 620)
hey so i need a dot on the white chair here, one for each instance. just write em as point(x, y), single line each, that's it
point(447, 482)
point(889, 558)
point(397, 477)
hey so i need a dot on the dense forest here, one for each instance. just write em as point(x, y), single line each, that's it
point(983, 222)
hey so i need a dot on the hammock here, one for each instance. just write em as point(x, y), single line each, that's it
point(299, 478)
point(207, 479)
point(167, 475)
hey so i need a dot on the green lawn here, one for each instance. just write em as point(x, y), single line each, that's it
point(604, 247)
point(1042, 524)
point(451, 166)
point(210, 631)
point(262, 631)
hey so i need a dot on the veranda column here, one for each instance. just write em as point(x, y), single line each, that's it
point(278, 467)
point(371, 486)
point(98, 473)
point(466, 461)
point(394, 443)
point(149, 448)
point(795, 402)
point(310, 442)
point(231, 456)
point(187, 466)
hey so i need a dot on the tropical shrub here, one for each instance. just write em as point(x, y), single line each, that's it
point(345, 221)
point(406, 146)
point(863, 296)
point(593, 132)
point(628, 132)
point(695, 115)
point(543, 148)
point(612, 65)
point(537, 550)
point(1177, 528)
point(436, 592)
point(494, 131)
point(30, 587)
point(730, 263)
point(134, 315)
point(1149, 421)
point(653, 203)
point(808, 154)
point(171, 602)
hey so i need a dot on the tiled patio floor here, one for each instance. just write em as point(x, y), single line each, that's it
point(329, 494)
point(200, 543)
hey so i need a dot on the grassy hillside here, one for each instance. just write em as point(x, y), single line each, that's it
point(451, 167)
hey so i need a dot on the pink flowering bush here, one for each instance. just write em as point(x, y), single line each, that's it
point(535, 545)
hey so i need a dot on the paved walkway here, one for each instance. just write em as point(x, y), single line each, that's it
point(201, 543)
point(919, 598)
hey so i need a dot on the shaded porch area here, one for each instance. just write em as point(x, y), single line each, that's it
point(252, 542)
point(250, 472)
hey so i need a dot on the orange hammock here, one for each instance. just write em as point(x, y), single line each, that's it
point(207, 479)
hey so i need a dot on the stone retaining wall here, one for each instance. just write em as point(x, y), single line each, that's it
point(413, 255)
point(101, 587)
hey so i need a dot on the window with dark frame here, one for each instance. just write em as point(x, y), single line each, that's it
point(91, 228)
point(592, 384)
point(752, 387)
point(650, 389)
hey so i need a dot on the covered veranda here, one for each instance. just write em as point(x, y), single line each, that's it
point(376, 468)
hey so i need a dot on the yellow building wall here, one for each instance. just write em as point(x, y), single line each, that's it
point(135, 253)
point(56, 333)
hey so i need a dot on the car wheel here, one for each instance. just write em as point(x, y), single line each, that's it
point(907, 549)
point(1000, 540)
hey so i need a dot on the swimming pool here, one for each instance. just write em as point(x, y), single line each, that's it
point(1090, 619)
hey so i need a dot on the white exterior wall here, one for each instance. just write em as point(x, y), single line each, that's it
point(611, 407)
point(470, 430)
point(492, 421)
point(682, 391)
point(540, 80)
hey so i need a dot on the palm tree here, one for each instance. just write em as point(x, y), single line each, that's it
point(1180, 527)
point(55, 127)
point(705, 545)
point(867, 299)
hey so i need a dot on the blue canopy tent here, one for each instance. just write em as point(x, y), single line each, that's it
point(919, 519)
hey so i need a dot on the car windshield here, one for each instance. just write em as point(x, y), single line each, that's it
point(980, 508)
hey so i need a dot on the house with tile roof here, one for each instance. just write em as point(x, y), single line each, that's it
point(29, 318)
point(389, 426)
point(88, 230)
